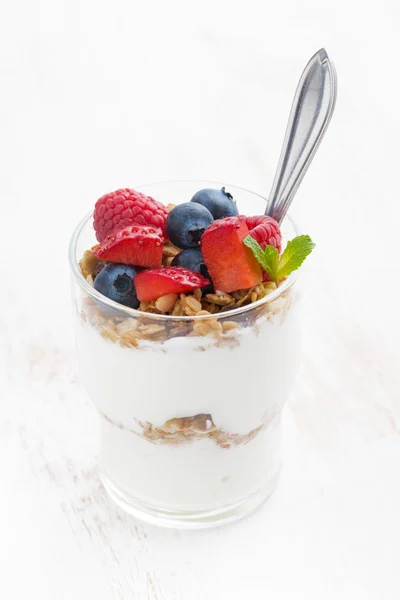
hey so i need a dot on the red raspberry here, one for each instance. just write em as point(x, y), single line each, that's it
point(265, 230)
point(124, 207)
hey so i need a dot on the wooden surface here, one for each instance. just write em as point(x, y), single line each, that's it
point(100, 95)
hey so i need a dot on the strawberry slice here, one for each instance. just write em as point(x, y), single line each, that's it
point(232, 266)
point(137, 245)
point(154, 283)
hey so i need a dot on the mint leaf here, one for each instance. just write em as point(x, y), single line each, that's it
point(277, 266)
point(268, 258)
point(258, 252)
point(271, 260)
point(294, 255)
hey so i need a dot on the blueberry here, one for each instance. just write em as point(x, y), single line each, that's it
point(186, 223)
point(116, 282)
point(219, 202)
point(192, 258)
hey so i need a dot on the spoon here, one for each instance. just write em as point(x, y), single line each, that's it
point(311, 112)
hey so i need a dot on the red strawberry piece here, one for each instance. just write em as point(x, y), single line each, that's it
point(265, 230)
point(125, 207)
point(232, 266)
point(154, 283)
point(133, 245)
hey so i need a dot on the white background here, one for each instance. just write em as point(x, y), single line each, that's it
point(96, 95)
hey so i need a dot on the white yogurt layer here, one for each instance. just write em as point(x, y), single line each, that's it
point(241, 387)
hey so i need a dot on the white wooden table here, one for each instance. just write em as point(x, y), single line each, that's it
point(97, 96)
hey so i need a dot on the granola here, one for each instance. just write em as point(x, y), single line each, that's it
point(128, 332)
point(186, 429)
point(169, 253)
point(90, 265)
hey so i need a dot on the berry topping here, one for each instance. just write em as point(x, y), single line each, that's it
point(154, 283)
point(186, 223)
point(133, 245)
point(219, 202)
point(231, 264)
point(116, 282)
point(126, 207)
point(192, 258)
point(265, 230)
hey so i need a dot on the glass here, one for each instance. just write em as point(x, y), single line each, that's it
point(189, 407)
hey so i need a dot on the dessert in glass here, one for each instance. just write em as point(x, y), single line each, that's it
point(186, 313)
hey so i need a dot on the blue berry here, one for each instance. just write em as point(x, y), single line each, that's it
point(192, 258)
point(116, 282)
point(219, 202)
point(186, 223)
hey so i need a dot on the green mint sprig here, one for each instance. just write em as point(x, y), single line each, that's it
point(291, 258)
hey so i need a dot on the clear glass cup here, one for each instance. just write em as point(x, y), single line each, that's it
point(189, 407)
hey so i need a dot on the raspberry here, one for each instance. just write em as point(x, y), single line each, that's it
point(124, 207)
point(265, 230)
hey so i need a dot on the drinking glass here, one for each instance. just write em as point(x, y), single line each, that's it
point(189, 406)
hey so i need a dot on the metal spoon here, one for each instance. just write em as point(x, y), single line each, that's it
point(311, 112)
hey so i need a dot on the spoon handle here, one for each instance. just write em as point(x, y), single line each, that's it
point(311, 111)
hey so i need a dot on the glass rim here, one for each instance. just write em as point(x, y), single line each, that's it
point(134, 312)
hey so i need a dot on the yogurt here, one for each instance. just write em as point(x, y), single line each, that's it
point(191, 425)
